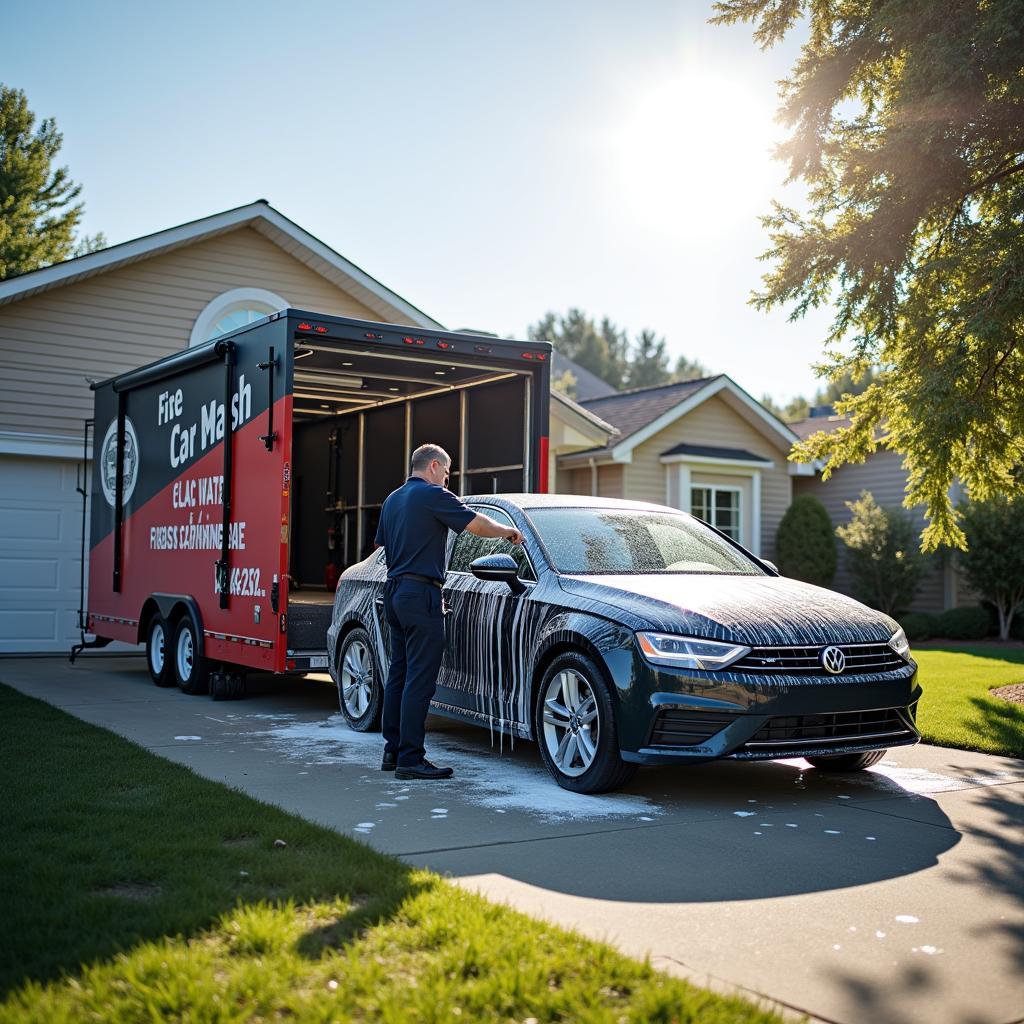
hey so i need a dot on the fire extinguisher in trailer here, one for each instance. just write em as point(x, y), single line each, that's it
point(332, 573)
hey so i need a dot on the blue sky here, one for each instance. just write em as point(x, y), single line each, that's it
point(487, 161)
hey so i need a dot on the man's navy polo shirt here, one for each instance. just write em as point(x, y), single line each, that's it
point(414, 525)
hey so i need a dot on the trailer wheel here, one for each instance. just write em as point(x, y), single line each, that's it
point(158, 659)
point(360, 688)
point(191, 669)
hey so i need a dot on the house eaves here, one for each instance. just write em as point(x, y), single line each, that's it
point(260, 216)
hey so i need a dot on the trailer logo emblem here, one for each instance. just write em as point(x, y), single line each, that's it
point(108, 462)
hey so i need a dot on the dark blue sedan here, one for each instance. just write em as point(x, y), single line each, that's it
point(623, 633)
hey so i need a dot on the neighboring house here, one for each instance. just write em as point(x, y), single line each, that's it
point(882, 474)
point(588, 385)
point(704, 446)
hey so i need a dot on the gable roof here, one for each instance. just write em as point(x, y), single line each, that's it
point(588, 385)
point(261, 217)
point(640, 413)
point(585, 414)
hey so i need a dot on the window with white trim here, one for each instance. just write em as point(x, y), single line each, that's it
point(231, 310)
point(718, 506)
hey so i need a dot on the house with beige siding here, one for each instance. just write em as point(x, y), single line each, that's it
point(882, 474)
point(98, 315)
point(704, 446)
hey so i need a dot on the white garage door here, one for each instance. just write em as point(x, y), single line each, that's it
point(40, 538)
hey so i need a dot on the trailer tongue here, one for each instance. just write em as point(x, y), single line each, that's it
point(234, 482)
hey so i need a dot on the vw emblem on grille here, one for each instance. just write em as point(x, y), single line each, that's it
point(833, 660)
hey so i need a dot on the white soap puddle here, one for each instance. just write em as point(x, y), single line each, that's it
point(484, 778)
point(832, 832)
point(907, 919)
point(930, 950)
point(188, 737)
point(744, 814)
point(386, 803)
point(365, 827)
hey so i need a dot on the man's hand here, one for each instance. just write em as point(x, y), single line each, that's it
point(514, 535)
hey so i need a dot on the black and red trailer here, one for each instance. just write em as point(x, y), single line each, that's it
point(233, 482)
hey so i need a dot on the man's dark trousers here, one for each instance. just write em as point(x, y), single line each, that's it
point(413, 611)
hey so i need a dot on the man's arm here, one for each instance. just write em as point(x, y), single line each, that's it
point(485, 526)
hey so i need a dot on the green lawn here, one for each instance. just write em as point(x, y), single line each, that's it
point(957, 709)
point(133, 890)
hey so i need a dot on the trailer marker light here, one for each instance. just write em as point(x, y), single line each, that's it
point(445, 344)
point(291, 663)
point(542, 356)
point(527, 355)
point(305, 327)
point(321, 330)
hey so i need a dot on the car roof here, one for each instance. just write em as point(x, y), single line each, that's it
point(530, 501)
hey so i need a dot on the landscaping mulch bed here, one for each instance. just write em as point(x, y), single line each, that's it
point(1014, 693)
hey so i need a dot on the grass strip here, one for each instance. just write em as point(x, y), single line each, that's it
point(134, 890)
point(957, 709)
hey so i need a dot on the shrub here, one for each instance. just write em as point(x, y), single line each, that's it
point(918, 625)
point(970, 623)
point(882, 555)
point(805, 546)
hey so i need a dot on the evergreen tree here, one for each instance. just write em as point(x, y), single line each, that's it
point(649, 364)
point(38, 215)
point(907, 129)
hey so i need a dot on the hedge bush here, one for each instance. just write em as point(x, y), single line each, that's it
point(805, 545)
point(970, 623)
point(918, 626)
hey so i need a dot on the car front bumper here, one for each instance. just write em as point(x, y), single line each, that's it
point(669, 716)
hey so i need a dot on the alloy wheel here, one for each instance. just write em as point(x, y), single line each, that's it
point(356, 678)
point(571, 723)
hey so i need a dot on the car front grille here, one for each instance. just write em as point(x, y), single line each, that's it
point(806, 661)
point(790, 732)
point(678, 727)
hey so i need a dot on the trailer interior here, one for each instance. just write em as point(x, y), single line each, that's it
point(358, 414)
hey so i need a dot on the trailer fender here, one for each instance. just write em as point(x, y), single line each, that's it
point(171, 607)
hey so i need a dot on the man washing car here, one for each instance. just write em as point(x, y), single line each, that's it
point(413, 530)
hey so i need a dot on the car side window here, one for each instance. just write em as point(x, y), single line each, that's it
point(468, 547)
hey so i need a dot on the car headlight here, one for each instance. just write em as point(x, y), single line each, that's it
point(899, 643)
point(688, 652)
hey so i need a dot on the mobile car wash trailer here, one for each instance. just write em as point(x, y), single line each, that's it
point(233, 482)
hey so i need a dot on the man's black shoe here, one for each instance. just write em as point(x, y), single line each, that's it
point(423, 770)
point(388, 762)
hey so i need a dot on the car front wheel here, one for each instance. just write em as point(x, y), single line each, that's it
point(847, 762)
point(360, 688)
point(575, 727)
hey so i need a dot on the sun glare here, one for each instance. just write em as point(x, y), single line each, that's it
point(694, 153)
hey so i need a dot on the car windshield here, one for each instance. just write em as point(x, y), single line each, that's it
point(611, 541)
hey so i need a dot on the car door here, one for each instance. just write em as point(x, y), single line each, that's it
point(483, 671)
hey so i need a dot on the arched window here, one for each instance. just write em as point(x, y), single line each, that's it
point(233, 309)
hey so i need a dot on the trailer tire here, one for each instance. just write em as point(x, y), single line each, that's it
point(191, 669)
point(158, 649)
point(360, 688)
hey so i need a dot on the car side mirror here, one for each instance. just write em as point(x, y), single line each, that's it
point(771, 565)
point(500, 568)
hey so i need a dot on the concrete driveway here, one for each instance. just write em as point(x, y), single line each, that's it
point(894, 895)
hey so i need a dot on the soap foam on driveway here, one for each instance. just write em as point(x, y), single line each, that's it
point(489, 782)
point(898, 896)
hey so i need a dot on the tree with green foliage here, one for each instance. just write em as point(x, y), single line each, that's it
point(882, 555)
point(993, 563)
point(805, 543)
point(649, 362)
point(907, 128)
point(605, 350)
point(38, 215)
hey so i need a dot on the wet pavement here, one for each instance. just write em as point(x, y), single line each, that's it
point(891, 895)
